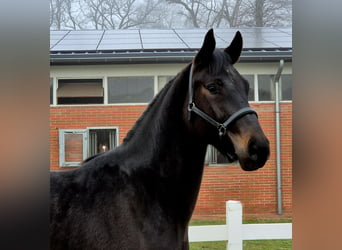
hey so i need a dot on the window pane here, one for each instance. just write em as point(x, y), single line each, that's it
point(286, 87)
point(80, 91)
point(162, 81)
point(130, 89)
point(101, 140)
point(265, 88)
point(73, 147)
point(250, 79)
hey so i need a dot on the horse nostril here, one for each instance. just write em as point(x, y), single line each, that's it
point(253, 149)
point(257, 150)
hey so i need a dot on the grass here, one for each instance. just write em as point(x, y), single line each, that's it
point(247, 244)
point(215, 245)
point(206, 222)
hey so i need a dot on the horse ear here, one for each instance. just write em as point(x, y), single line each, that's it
point(235, 47)
point(207, 49)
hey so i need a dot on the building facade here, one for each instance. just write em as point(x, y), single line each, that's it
point(102, 81)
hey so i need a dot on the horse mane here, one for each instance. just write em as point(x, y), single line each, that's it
point(92, 157)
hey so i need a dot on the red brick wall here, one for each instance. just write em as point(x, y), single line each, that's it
point(81, 117)
point(256, 190)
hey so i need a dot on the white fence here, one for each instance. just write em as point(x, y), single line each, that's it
point(234, 232)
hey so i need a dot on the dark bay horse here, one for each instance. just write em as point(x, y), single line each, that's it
point(142, 194)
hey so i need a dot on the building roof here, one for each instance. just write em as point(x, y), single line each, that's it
point(162, 45)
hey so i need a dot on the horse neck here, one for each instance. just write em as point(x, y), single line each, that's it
point(163, 143)
point(163, 124)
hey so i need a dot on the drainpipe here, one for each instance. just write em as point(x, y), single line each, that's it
point(278, 152)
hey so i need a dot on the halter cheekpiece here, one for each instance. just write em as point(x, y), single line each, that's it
point(222, 127)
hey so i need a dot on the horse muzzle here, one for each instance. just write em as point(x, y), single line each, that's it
point(252, 151)
point(257, 154)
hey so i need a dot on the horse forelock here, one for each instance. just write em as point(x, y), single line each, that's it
point(218, 62)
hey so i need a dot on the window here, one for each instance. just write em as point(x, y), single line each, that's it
point(72, 147)
point(101, 140)
point(142, 89)
point(76, 145)
point(213, 156)
point(130, 89)
point(266, 88)
point(80, 91)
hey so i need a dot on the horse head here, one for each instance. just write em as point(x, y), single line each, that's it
point(218, 105)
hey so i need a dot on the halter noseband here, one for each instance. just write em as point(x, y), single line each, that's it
point(222, 127)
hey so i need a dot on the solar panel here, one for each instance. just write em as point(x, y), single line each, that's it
point(193, 38)
point(161, 39)
point(56, 36)
point(120, 40)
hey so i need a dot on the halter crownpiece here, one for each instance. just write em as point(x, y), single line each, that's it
point(222, 127)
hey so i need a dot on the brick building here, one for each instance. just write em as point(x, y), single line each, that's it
point(102, 81)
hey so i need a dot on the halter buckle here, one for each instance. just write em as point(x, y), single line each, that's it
point(190, 109)
point(191, 106)
point(222, 130)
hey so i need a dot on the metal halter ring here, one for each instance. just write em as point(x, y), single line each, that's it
point(222, 130)
point(191, 106)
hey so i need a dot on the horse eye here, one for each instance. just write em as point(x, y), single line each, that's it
point(212, 88)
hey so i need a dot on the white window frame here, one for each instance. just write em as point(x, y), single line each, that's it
point(97, 128)
point(256, 89)
point(85, 136)
point(104, 85)
point(62, 133)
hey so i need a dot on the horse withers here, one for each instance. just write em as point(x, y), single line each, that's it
point(141, 195)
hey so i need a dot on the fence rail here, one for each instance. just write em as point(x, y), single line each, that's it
point(234, 232)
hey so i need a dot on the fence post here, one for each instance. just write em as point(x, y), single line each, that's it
point(234, 225)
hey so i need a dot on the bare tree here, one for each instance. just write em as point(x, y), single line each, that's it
point(125, 14)
point(57, 14)
point(259, 12)
point(74, 19)
point(119, 14)
point(191, 8)
point(266, 13)
point(150, 14)
point(199, 13)
point(93, 11)
point(232, 12)
point(165, 16)
point(65, 14)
